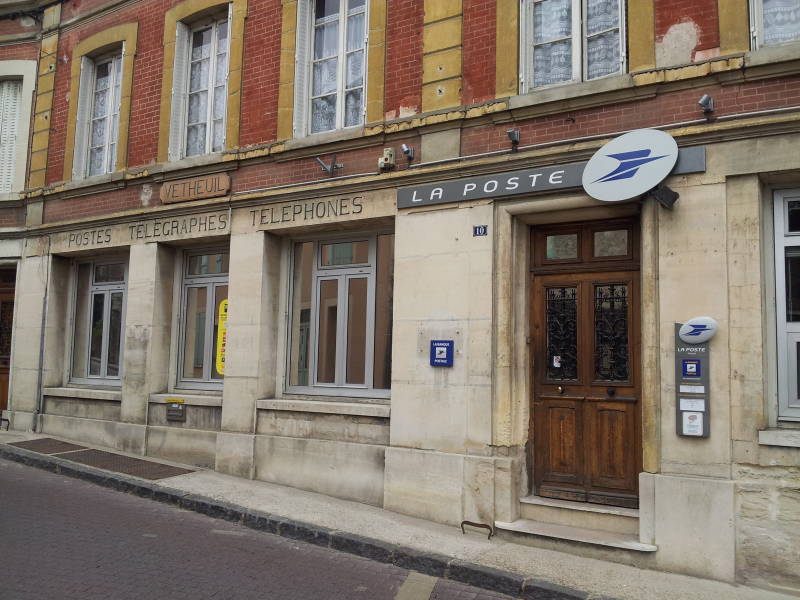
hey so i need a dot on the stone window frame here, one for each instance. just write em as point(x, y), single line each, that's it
point(318, 272)
point(184, 13)
point(185, 281)
point(756, 19)
point(123, 37)
point(289, 82)
point(94, 288)
point(787, 378)
point(24, 70)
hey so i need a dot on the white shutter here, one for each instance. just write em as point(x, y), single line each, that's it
point(10, 95)
point(301, 72)
point(177, 122)
point(84, 100)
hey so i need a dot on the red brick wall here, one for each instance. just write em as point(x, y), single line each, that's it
point(95, 204)
point(20, 52)
point(14, 26)
point(478, 58)
point(702, 12)
point(12, 217)
point(663, 109)
point(403, 57)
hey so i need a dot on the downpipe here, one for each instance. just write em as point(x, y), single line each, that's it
point(40, 376)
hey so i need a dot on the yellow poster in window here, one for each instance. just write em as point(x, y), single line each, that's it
point(222, 336)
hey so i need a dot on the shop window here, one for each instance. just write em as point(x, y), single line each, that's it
point(200, 88)
point(10, 97)
point(204, 298)
point(776, 22)
point(567, 41)
point(787, 296)
point(98, 115)
point(101, 288)
point(331, 56)
point(341, 316)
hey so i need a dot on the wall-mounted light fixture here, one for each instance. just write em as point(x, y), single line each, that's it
point(513, 136)
point(329, 169)
point(408, 151)
point(706, 102)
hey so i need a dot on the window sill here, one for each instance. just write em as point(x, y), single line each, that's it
point(568, 91)
point(789, 438)
point(773, 54)
point(84, 393)
point(330, 407)
point(324, 137)
point(190, 399)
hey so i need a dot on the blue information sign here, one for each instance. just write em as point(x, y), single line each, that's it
point(442, 353)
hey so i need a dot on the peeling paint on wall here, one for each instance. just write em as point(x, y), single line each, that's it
point(678, 44)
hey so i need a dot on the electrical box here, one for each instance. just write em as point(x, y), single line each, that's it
point(176, 410)
point(387, 160)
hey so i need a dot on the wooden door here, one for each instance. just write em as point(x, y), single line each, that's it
point(585, 412)
point(6, 317)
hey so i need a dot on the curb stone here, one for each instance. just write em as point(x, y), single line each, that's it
point(436, 565)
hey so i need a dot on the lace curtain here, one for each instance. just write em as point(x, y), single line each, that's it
point(781, 21)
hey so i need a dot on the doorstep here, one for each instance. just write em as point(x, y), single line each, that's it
point(596, 537)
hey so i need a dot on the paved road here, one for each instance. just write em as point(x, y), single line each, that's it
point(63, 539)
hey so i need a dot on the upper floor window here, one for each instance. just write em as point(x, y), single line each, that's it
point(331, 49)
point(10, 99)
point(571, 40)
point(98, 110)
point(775, 22)
point(200, 88)
point(99, 321)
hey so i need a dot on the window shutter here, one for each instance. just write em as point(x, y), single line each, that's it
point(84, 99)
point(10, 93)
point(301, 73)
point(177, 122)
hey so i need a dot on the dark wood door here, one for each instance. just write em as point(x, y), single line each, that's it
point(585, 415)
point(6, 317)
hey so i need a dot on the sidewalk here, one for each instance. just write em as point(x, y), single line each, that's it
point(416, 544)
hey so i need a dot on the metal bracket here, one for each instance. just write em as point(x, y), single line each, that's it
point(482, 525)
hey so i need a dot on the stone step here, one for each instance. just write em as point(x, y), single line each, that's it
point(583, 535)
point(580, 514)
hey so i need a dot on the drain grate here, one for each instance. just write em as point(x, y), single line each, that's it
point(125, 464)
point(47, 446)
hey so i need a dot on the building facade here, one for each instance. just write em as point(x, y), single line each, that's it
point(233, 232)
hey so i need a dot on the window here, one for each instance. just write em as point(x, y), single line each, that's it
point(98, 116)
point(205, 296)
point(776, 22)
point(99, 320)
point(331, 47)
point(787, 295)
point(10, 96)
point(571, 40)
point(200, 88)
point(341, 316)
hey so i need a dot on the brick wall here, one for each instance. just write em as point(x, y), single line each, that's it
point(20, 52)
point(703, 13)
point(478, 58)
point(92, 205)
point(12, 217)
point(403, 95)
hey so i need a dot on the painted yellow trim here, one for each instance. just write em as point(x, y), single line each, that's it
point(641, 35)
point(441, 54)
point(125, 35)
point(734, 29)
point(506, 80)
point(376, 61)
point(287, 67)
point(43, 104)
point(177, 13)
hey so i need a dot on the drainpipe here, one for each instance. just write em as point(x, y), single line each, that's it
point(40, 378)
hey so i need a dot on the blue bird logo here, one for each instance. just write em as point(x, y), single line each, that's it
point(696, 330)
point(629, 163)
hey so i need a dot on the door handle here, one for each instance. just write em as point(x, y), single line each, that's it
point(560, 389)
point(611, 392)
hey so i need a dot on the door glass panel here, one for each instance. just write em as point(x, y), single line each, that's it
point(96, 340)
point(208, 264)
point(611, 243)
point(220, 294)
point(344, 253)
point(793, 216)
point(109, 273)
point(793, 284)
point(356, 329)
point(80, 351)
point(114, 334)
point(611, 360)
point(326, 348)
point(195, 335)
point(384, 283)
point(562, 333)
point(562, 247)
point(301, 313)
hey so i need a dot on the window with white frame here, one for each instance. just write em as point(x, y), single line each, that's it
point(204, 302)
point(341, 316)
point(774, 22)
point(101, 288)
point(200, 88)
point(787, 296)
point(10, 98)
point(331, 55)
point(98, 116)
point(571, 40)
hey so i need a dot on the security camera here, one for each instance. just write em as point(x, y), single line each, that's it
point(706, 102)
point(408, 151)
